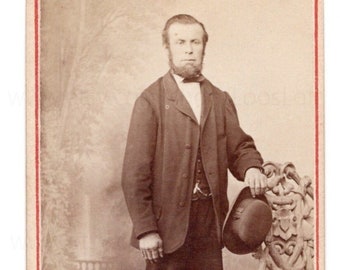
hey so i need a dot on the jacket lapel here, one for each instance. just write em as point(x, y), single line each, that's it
point(173, 93)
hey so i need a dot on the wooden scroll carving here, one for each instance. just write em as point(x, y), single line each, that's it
point(290, 243)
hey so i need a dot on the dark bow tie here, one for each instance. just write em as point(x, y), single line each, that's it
point(197, 79)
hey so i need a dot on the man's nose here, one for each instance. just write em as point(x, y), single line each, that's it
point(188, 48)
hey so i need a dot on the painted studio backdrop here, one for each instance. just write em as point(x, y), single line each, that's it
point(98, 56)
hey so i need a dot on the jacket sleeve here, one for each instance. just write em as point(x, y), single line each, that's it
point(241, 149)
point(137, 167)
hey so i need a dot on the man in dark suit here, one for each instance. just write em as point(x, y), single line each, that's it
point(184, 135)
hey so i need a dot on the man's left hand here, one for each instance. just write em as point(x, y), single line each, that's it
point(256, 180)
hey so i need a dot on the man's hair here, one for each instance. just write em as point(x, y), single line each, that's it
point(183, 19)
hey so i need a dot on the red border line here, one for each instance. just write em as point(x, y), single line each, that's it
point(316, 97)
point(37, 130)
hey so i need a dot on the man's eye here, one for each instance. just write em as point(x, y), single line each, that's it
point(180, 42)
point(197, 42)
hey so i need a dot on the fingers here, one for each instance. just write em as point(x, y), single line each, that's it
point(145, 255)
point(263, 184)
point(257, 182)
point(251, 184)
point(152, 255)
point(151, 246)
point(160, 251)
point(155, 256)
point(259, 185)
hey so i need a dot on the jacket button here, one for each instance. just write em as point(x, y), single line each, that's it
point(187, 146)
point(184, 175)
point(181, 204)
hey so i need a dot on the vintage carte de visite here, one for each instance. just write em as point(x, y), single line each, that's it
point(87, 64)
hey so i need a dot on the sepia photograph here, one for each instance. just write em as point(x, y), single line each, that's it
point(174, 135)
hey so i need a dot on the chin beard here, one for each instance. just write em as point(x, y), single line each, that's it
point(188, 71)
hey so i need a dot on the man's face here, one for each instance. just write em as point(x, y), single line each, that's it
point(186, 49)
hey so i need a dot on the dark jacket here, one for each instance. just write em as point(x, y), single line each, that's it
point(159, 163)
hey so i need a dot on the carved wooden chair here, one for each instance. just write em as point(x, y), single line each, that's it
point(290, 244)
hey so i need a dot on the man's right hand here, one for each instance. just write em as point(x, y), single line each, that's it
point(151, 246)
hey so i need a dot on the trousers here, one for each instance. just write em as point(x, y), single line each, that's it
point(201, 249)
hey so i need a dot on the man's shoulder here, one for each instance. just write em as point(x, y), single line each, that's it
point(217, 92)
point(153, 89)
point(154, 86)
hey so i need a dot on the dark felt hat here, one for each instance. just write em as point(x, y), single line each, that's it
point(247, 223)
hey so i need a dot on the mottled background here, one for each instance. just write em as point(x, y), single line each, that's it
point(97, 57)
